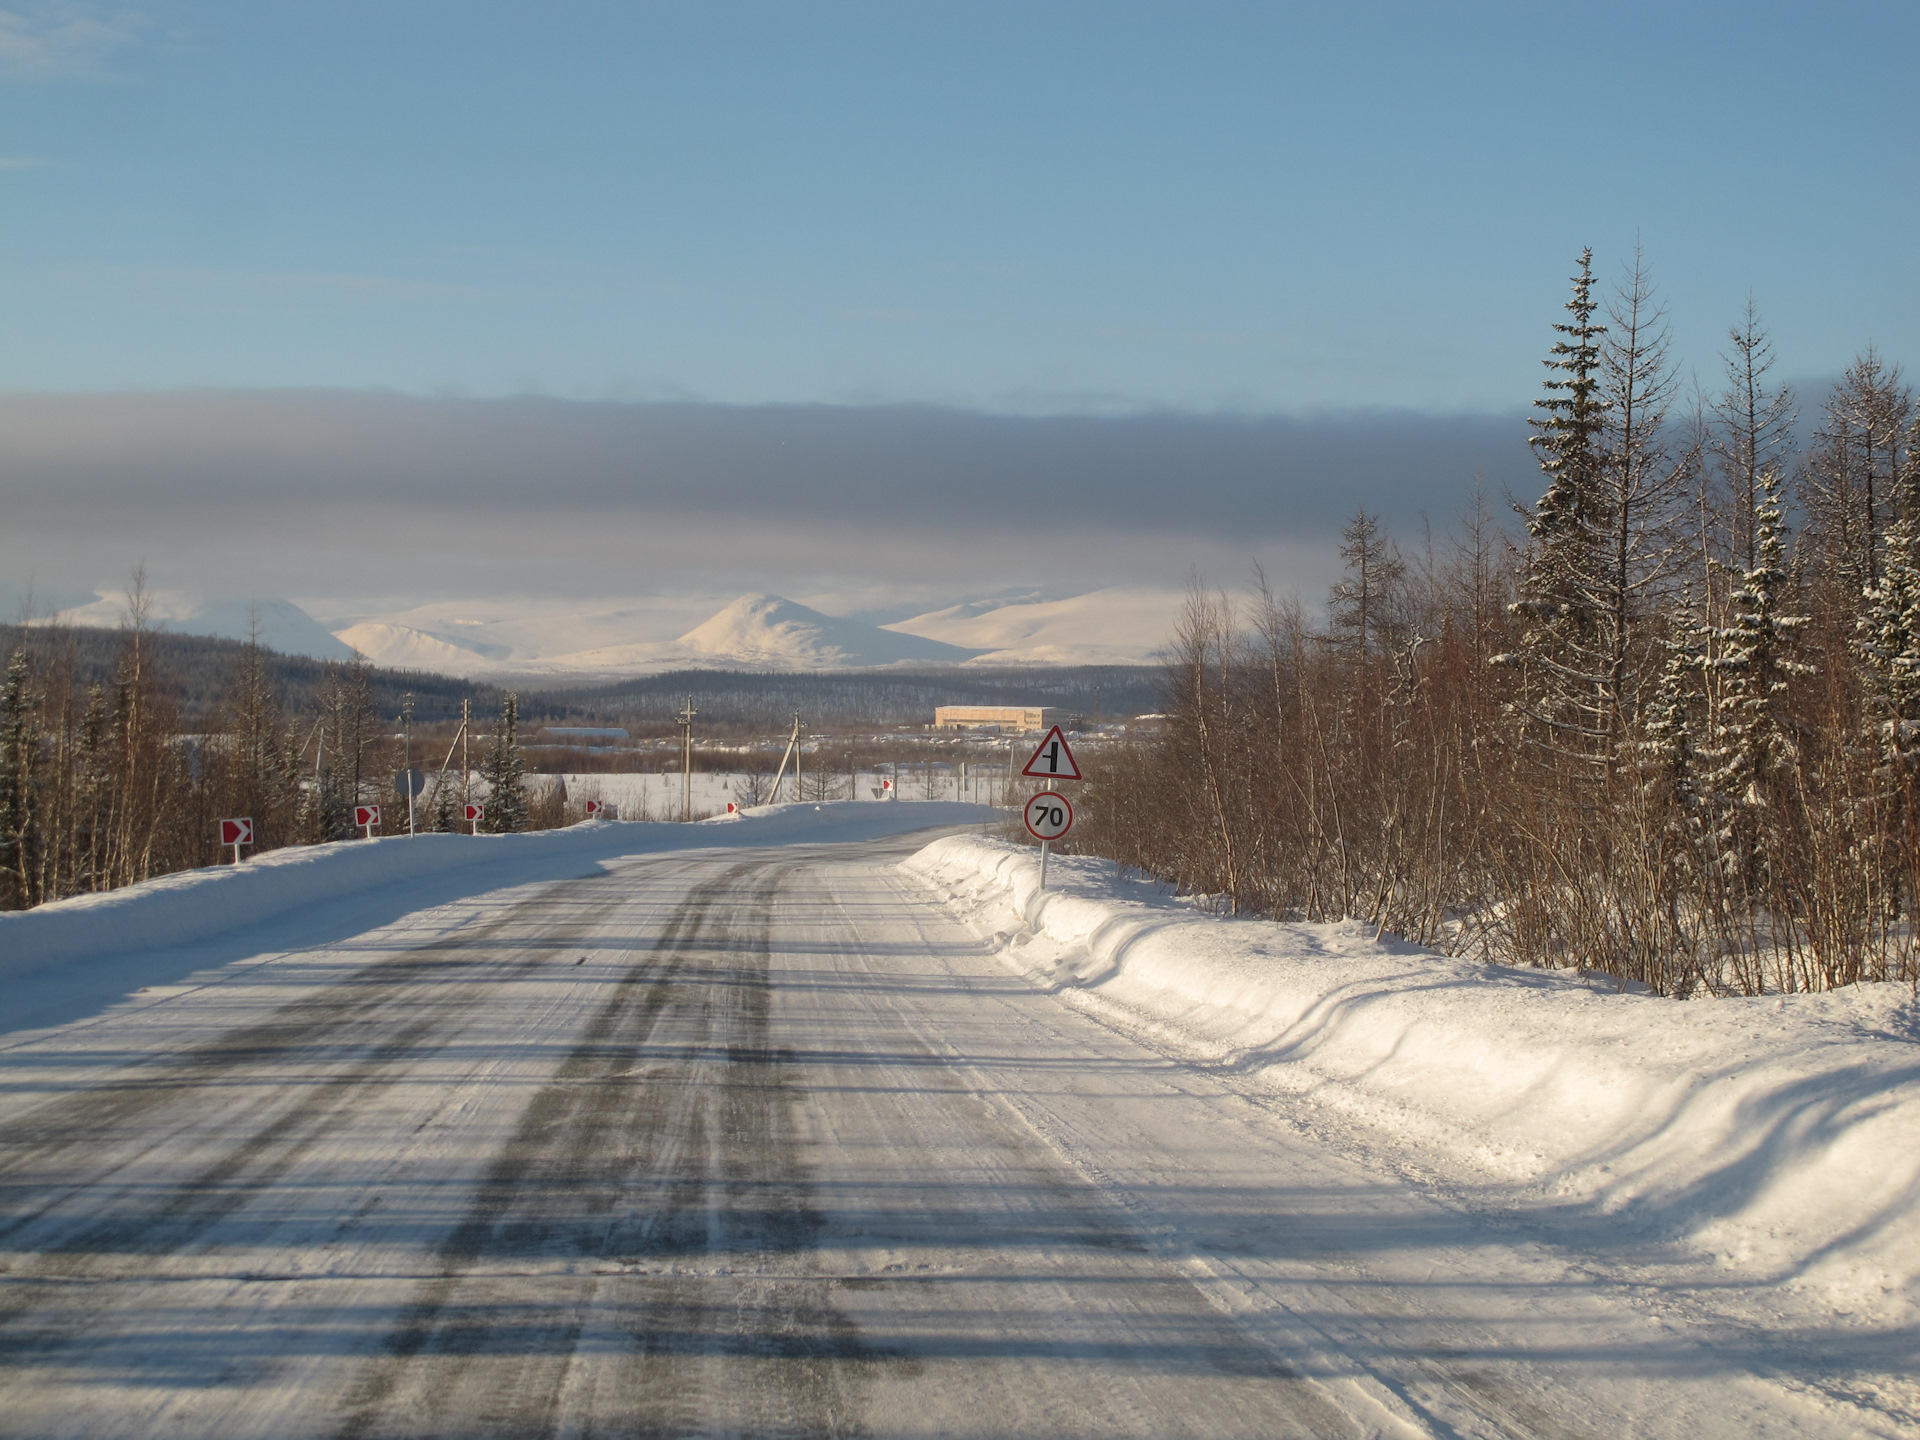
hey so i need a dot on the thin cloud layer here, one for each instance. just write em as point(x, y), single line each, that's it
point(62, 41)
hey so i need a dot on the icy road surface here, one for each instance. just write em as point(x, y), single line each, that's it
point(760, 1142)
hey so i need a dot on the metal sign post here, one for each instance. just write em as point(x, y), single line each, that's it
point(1048, 815)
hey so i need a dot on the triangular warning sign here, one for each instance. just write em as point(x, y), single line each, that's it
point(1053, 760)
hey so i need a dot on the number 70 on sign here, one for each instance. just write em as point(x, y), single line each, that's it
point(1049, 815)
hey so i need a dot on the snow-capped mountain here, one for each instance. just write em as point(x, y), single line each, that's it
point(280, 624)
point(550, 636)
point(401, 647)
point(783, 634)
point(1104, 627)
point(760, 632)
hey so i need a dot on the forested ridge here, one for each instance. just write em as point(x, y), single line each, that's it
point(121, 750)
point(1665, 725)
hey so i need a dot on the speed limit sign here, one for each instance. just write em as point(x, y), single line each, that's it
point(1049, 816)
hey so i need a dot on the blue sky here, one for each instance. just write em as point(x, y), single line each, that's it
point(279, 278)
point(1028, 207)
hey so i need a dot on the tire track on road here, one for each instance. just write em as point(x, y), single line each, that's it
point(694, 1161)
point(349, 1023)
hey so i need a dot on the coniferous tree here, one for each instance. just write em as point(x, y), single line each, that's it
point(1888, 637)
point(1671, 755)
point(352, 749)
point(1847, 483)
point(1639, 483)
point(1362, 604)
point(506, 811)
point(260, 764)
point(1752, 434)
point(1754, 661)
point(1558, 650)
point(446, 797)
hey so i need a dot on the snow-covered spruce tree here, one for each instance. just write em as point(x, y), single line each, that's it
point(1752, 747)
point(506, 803)
point(1887, 641)
point(1670, 756)
point(1558, 654)
point(1888, 645)
point(1602, 544)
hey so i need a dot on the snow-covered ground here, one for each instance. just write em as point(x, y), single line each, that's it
point(73, 956)
point(772, 1125)
point(1772, 1143)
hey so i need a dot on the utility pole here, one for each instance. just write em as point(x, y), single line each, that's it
point(466, 770)
point(686, 760)
point(406, 730)
point(792, 752)
point(440, 780)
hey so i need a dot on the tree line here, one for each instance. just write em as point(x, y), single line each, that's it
point(1666, 726)
point(102, 784)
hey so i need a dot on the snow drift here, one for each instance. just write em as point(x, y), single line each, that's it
point(1778, 1137)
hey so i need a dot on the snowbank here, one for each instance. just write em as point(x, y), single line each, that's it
point(195, 905)
point(1780, 1136)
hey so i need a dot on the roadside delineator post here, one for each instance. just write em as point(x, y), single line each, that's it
point(236, 833)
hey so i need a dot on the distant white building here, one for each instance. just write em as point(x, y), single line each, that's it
point(996, 717)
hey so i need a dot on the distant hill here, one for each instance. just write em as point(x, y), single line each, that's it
point(1112, 627)
point(278, 624)
point(194, 669)
point(546, 638)
point(405, 648)
point(769, 632)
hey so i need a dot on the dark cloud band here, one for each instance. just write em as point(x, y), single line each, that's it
point(114, 463)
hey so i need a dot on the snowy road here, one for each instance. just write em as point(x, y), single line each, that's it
point(760, 1142)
